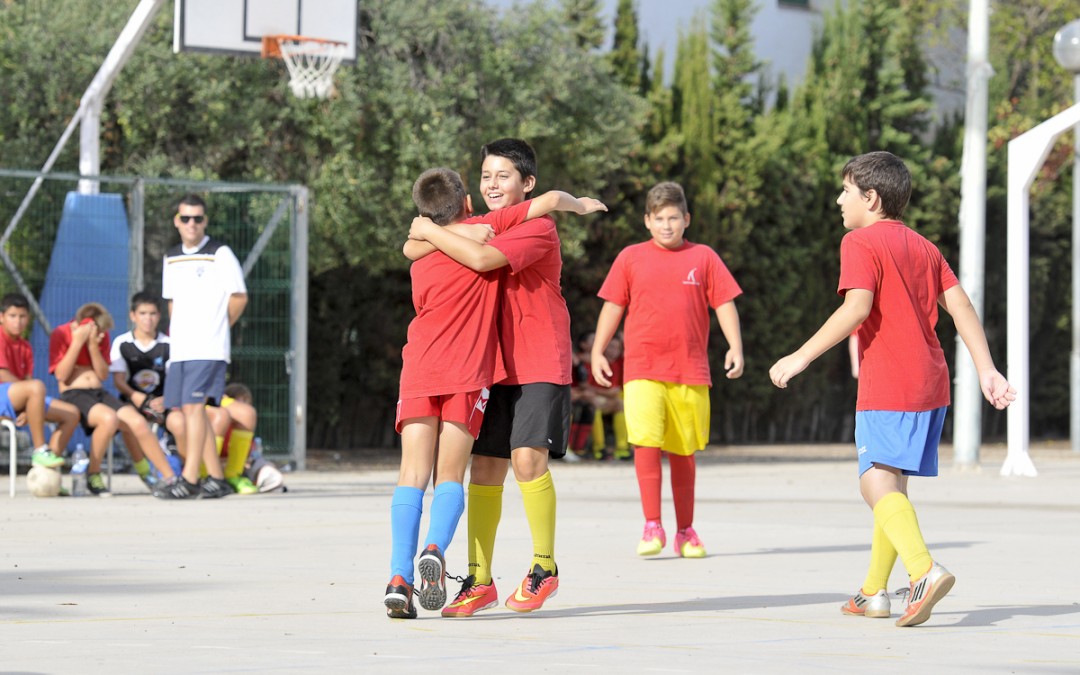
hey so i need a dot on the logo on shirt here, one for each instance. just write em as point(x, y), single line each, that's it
point(199, 270)
point(862, 450)
point(691, 278)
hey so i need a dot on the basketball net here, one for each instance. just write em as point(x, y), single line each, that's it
point(312, 62)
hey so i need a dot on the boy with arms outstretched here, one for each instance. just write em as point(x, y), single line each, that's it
point(451, 358)
point(23, 398)
point(666, 287)
point(528, 417)
point(892, 280)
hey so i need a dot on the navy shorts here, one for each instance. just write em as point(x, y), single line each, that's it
point(194, 382)
point(533, 415)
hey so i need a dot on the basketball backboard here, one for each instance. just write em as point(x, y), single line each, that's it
point(238, 26)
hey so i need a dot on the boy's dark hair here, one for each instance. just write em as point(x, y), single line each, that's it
point(191, 200)
point(440, 195)
point(14, 300)
point(520, 154)
point(145, 298)
point(239, 392)
point(97, 312)
point(663, 195)
point(884, 173)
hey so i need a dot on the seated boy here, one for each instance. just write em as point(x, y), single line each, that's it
point(235, 430)
point(138, 361)
point(79, 357)
point(23, 399)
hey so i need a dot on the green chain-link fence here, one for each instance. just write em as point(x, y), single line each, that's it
point(265, 225)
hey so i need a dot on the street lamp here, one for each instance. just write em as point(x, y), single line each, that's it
point(1067, 53)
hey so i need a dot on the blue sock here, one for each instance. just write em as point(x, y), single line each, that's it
point(405, 510)
point(446, 510)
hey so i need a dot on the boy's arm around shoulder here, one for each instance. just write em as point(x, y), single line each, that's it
point(474, 255)
point(856, 307)
point(995, 387)
point(416, 249)
point(557, 200)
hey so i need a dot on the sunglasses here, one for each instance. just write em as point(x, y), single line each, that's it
point(188, 219)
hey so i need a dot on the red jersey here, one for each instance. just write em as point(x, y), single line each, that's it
point(60, 340)
point(667, 295)
point(534, 324)
point(453, 346)
point(16, 355)
point(901, 365)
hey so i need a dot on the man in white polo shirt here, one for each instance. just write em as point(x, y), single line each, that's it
point(204, 284)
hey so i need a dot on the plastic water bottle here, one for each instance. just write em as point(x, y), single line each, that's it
point(256, 448)
point(79, 463)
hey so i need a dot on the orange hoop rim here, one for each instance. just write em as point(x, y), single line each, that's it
point(271, 44)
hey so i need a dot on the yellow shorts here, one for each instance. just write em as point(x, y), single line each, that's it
point(665, 415)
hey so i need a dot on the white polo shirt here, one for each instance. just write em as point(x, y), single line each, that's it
point(199, 282)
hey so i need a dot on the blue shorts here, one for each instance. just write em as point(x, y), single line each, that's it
point(191, 382)
point(903, 440)
point(5, 402)
point(6, 410)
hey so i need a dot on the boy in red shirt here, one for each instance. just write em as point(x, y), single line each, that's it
point(23, 399)
point(892, 281)
point(528, 417)
point(451, 358)
point(666, 287)
point(79, 357)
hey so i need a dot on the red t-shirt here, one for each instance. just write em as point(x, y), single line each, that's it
point(453, 345)
point(901, 365)
point(534, 324)
point(667, 295)
point(60, 340)
point(16, 355)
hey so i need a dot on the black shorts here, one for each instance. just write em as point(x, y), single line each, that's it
point(85, 399)
point(525, 416)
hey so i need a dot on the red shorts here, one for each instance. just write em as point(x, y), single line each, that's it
point(466, 408)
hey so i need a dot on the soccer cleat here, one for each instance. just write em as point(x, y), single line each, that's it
point(398, 599)
point(214, 488)
point(432, 568)
point(43, 456)
point(149, 480)
point(96, 485)
point(472, 598)
point(176, 488)
point(876, 606)
point(242, 485)
point(535, 588)
point(688, 544)
point(924, 594)
point(654, 539)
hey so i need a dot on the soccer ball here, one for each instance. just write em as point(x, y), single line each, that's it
point(43, 481)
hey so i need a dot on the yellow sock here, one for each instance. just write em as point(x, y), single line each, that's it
point(882, 560)
point(901, 526)
point(485, 510)
point(239, 447)
point(220, 442)
point(539, 497)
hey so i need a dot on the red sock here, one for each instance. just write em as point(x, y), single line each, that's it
point(683, 475)
point(649, 475)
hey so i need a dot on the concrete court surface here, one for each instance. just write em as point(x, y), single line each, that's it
point(293, 583)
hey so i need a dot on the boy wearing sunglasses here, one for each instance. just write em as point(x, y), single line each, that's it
point(204, 285)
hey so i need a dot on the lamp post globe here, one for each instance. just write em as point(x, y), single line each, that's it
point(1067, 47)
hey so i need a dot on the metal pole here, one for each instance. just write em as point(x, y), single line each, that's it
point(299, 352)
point(93, 99)
point(1074, 361)
point(967, 399)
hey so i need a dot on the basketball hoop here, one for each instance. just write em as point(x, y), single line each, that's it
point(312, 62)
